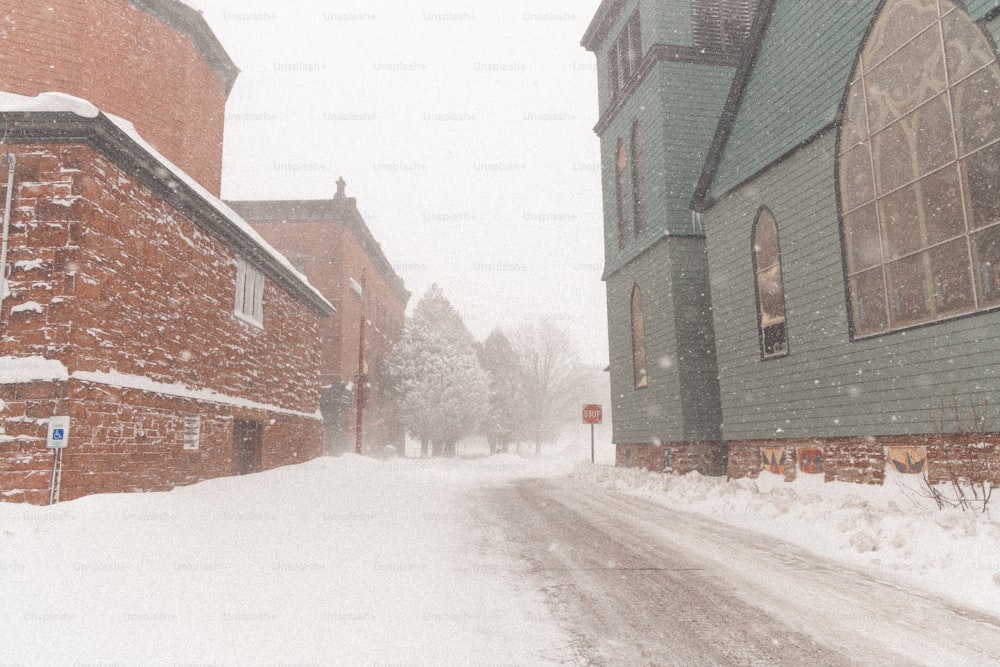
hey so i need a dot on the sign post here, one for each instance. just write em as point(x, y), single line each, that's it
point(56, 441)
point(592, 414)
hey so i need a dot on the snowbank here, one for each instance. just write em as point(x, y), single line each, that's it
point(347, 561)
point(893, 529)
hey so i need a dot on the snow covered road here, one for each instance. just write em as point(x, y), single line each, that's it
point(489, 562)
point(639, 584)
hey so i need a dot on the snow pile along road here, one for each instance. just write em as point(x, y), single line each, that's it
point(339, 561)
point(894, 529)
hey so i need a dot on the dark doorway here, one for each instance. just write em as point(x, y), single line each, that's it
point(246, 435)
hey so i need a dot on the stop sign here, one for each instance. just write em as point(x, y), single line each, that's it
point(592, 414)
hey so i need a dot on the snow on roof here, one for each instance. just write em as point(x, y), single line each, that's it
point(53, 102)
point(50, 102)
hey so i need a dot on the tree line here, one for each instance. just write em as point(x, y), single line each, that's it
point(511, 388)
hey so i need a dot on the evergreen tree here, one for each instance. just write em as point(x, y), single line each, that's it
point(441, 390)
point(499, 360)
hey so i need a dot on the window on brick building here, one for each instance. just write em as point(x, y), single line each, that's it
point(638, 340)
point(770, 287)
point(192, 432)
point(249, 293)
point(918, 179)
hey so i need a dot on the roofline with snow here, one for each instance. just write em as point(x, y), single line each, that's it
point(339, 210)
point(26, 127)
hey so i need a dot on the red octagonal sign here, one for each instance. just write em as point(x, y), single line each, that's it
point(592, 414)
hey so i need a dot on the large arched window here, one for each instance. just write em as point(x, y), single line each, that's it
point(770, 287)
point(621, 170)
point(638, 340)
point(638, 182)
point(919, 170)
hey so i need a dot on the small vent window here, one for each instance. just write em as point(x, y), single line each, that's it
point(721, 26)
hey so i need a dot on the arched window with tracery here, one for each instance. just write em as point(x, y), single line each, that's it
point(919, 170)
point(770, 287)
point(638, 340)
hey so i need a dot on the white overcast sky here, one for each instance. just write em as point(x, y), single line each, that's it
point(464, 130)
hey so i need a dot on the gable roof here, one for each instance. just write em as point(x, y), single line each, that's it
point(341, 210)
point(789, 88)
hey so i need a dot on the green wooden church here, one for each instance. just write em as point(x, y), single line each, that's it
point(802, 235)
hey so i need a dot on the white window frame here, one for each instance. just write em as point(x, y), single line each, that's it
point(249, 305)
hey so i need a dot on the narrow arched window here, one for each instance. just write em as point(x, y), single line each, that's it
point(770, 287)
point(919, 170)
point(638, 184)
point(638, 340)
point(621, 169)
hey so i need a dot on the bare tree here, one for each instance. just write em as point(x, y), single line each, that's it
point(549, 370)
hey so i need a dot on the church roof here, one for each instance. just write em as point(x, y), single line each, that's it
point(790, 86)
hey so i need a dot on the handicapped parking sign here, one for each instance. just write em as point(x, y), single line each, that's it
point(58, 432)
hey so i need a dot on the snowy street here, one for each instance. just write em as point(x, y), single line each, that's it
point(494, 561)
point(639, 584)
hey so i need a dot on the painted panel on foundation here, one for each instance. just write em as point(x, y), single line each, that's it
point(811, 461)
point(773, 459)
point(908, 460)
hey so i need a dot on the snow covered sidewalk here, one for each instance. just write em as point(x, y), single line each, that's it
point(339, 561)
point(892, 529)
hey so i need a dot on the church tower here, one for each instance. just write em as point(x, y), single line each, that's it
point(665, 69)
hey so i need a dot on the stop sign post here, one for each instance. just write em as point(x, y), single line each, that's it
point(592, 414)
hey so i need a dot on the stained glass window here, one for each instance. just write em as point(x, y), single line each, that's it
point(919, 169)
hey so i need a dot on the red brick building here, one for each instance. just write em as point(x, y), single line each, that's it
point(155, 62)
point(179, 343)
point(329, 241)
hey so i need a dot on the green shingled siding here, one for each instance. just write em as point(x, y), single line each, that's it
point(673, 281)
point(979, 8)
point(643, 105)
point(603, 80)
point(693, 99)
point(695, 344)
point(678, 109)
point(797, 84)
point(670, 21)
point(828, 386)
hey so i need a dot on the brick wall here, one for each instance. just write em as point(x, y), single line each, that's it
point(107, 278)
point(685, 457)
point(329, 242)
point(128, 64)
point(966, 456)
